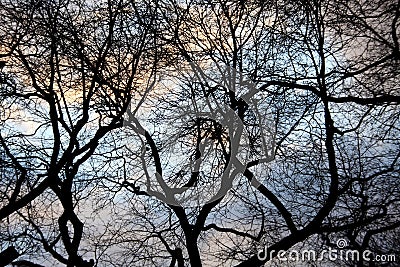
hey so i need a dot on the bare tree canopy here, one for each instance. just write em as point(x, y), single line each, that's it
point(199, 133)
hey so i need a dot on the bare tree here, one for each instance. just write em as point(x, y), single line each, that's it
point(325, 74)
point(255, 124)
point(71, 70)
